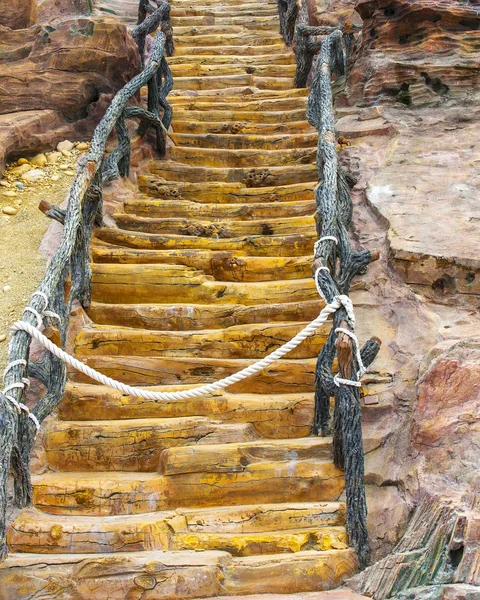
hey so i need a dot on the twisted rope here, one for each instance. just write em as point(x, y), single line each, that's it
point(195, 392)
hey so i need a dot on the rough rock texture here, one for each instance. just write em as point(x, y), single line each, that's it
point(56, 81)
point(18, 14)
point(417, 52)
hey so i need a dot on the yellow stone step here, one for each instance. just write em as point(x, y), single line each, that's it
point(250, 22)
point(244, 103)
point(216, 82)
point(241, 10)
point(243, 142)
point(262, 69)
point(221, 157)
point(215, 228)
point(123, 492)
point(253, 176)
point(146, 206)
point(233, 95)
point(242, 127)
point(162, 284)
point(252, 245)
point(251, 529)
point(285, 376)
point(179, 575)
point(236, 457)
point(218, 35)
point(224, 193)
point(132, 445)
point(222, 266)
point(281, 58)
point(240, 341)
point(257, 115)
point(224, 50)
point(272, 415)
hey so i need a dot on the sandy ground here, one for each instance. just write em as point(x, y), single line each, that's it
point(22, 265)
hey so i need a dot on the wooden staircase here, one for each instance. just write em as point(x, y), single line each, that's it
point(208, 270)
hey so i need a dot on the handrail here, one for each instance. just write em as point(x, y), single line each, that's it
point(68, 276)
point(335, 264)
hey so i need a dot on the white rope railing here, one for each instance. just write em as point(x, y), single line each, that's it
point(203, 390)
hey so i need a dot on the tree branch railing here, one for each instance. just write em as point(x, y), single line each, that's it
point(335, 263)
point(68, 276)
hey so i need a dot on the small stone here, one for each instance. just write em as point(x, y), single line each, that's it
point(3, 337)
point(33, 175)
point(9, 210)
point(40, 160)
point(372, 112)
point(82, 146)
point(5, 183)
point(69, 173)
point(369, 400)
point(53, 157)
point(9, 194)
point(55, 177)
point(64, 146)
point(63, 167)
point(21, 169)
point(20, 186)
point(22, 161)
point(18, 202)
point(66, 153)
point(6, 288)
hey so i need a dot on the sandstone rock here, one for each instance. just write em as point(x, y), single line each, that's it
point(9, 210)
point(69, 172)
point(40, 160)
point(82, 146)
point(65, 146)
point(22, 169)
point(6, 288)
point(18, 14)
point(9, 194)
point(416, 53)
point(53, 157)
point(55, 177)
point(22, 161)
point(33, 175)
point(3, 337)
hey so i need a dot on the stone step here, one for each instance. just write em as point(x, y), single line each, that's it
point(224, 36)
point(132, 445)
point(244, 142)
point(243, 530)
point(272, 415)
point(239, 115)
point(253, 176)
point(145, 206)
point(241, 10)
point(269, 48)
point(130, 284)
point(262, 69)
point(234, 95)
point(252, 245)
point(244, 103)
point(221, 157)
point(240, 341)
point(216, 82)
point(222, 266)
point(279, 58)
point(224, 193)
point(242, 127)
point(224, 229)
point(182, 575)
point(285, 376)
point(250, 22)
point(105, 493)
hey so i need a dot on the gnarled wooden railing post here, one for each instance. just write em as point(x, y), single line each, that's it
point(68, 276)
point(335, 265)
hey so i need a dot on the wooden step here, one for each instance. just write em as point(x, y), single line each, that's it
point(130, 284)
point(279, 58)
point(251, 529)
point(234, 95)
point(272, 415)
point(181, 575)
point(220, 36)
point(269, 23)
point(262, 69)
point(269, 48)
point(225, 81)
point(221, 157)
point(285, 376)
point(219, 229)
point(243, 141)
point(105, 493)
point(224, 193)
point(242, 127)
point(132, 445)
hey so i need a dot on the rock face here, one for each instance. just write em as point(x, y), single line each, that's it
point(417, 53)
point(56, 81)
point(18, 14)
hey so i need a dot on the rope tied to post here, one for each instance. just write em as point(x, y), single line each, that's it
point(338, 302)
